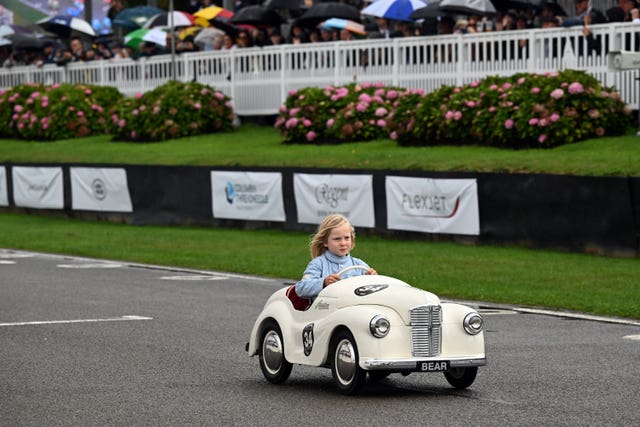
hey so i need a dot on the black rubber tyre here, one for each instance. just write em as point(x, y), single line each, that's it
point(346, 371)
point(376, 376)
point(273, 364)
point(461, 377)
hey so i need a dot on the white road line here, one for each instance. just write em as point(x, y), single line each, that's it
point(6, 261)
point(94, 265)
point(578, 316)
point(632, 337)
point(54, 322)
point(193, 277)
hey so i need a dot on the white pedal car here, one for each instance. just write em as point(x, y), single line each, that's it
point(368, 324)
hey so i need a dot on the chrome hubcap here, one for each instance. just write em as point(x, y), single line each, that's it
point(345, 361)
point(272, 352)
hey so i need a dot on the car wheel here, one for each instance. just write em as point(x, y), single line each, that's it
point(461, 377)
point(347, 373)
point(273, 364)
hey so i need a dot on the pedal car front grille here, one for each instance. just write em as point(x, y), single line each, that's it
point(426, 330)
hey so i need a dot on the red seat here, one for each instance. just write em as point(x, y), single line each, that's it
point(300, 304)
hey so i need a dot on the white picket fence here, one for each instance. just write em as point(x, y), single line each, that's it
point(259, 79)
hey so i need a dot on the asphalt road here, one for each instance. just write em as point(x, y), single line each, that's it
point(86, 342)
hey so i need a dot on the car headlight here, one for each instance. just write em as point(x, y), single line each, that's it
point(473, 323)
point(379, 326)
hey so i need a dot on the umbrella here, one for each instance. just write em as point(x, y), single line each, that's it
point(284, 4)
point(7, 29)
point(468, 7)
point(27, 41)
point(398, 10)
point(180, 19)
point(344, 24)
point(134, 17)
point(258, 16)
point(322, 11)
point(207, 16)
point(66, 26)
point(554, 7)
point(189, 32)
point(218, 17)
point(431, 11)
point(207, 36)
point(153, 35)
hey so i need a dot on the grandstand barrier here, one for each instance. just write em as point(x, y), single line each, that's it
point(574, 213)
point(258, 80)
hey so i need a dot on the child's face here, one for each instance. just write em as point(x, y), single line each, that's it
point(339, 240)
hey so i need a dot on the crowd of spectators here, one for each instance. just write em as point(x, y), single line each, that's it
point(106, 48)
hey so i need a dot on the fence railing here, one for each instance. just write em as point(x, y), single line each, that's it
point(259, 79)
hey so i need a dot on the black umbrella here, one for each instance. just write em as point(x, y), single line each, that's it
point(22, 41)
point(468, 7)
point(555, 8)
point(257, 16)
point(284, 4)
point(431, 11)
point(323, 11)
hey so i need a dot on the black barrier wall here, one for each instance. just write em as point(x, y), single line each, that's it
point(584, 214)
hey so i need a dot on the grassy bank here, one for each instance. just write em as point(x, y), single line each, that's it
point(262, 146)
point(497, 274)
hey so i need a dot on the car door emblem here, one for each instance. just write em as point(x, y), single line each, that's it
point(307, 339)
point(369, 289)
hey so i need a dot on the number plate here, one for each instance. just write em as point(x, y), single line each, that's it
point(439, 366)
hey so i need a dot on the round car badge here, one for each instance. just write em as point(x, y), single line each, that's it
point(369, 289)
point(307, 339)
point(99, 189)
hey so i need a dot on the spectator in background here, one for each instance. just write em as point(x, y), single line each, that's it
point(77, 49)
point(621, 12)
point(116, 7)
point(585, 15)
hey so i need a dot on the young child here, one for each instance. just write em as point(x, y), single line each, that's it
point(330, 248)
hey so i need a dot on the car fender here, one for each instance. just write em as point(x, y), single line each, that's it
point(356, 320)
point(455, 340)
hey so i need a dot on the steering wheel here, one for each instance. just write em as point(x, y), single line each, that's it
point(353, 267)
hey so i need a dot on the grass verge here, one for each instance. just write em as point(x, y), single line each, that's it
point(252, 145)
point(580, 282)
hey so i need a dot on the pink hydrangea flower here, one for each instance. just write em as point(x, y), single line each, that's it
point(330, 122)
point(542, 138)
point(575, 88)
point(364, 98)
point(535, 90)
point(557, 94)
point(381, 111)
point(311, 135)
point(554, 117)
point(533, 121)
point(381, 122)
point(361, 107)
point(508, 124)
point(393, 135)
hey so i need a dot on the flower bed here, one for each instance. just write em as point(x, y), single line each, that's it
point(174, 110)
point(48, 113)
point(524, 110)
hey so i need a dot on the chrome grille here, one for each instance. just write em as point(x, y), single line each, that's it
point(426, 330)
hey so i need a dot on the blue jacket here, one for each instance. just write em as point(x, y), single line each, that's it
point(321, 267)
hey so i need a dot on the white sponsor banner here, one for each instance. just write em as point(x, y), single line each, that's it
point(4, 198)
point(247, 195)
point(429, 205)
point(319, 195)
point(100, 189)
point(38, 187)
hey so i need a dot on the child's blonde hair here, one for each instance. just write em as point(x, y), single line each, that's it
point(320, 239)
